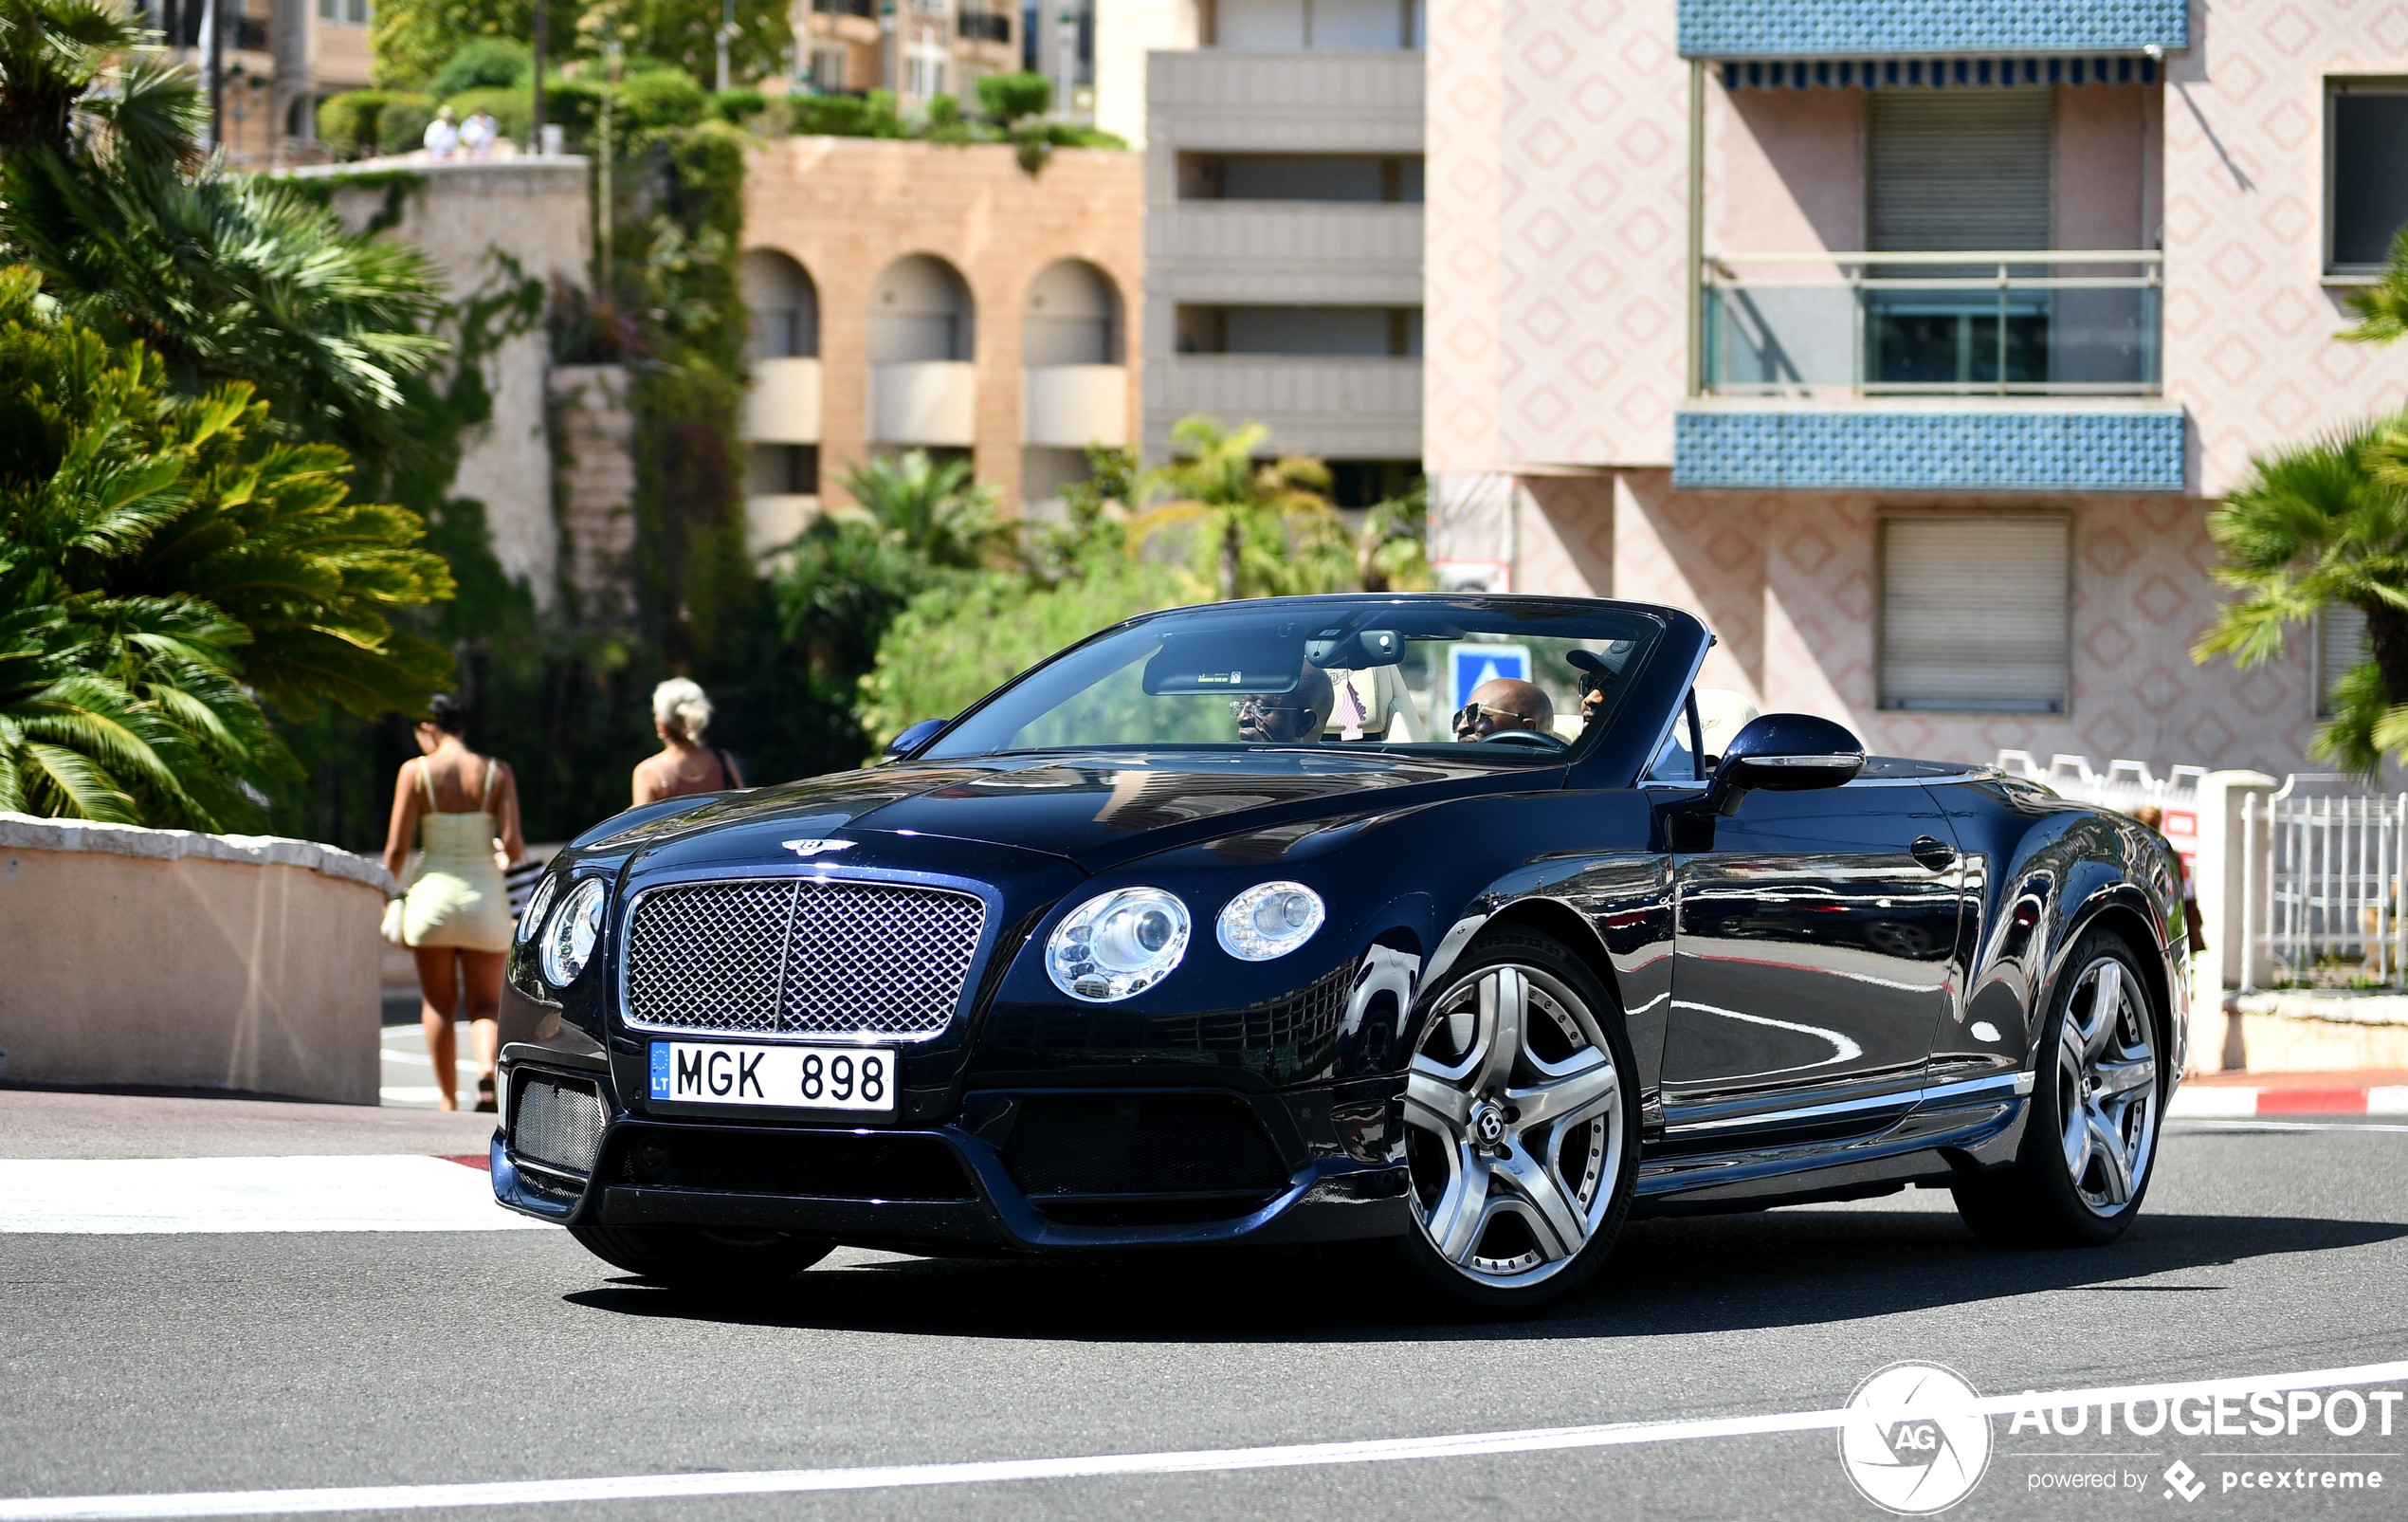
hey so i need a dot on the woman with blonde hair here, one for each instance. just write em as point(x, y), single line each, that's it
point(681, 712)
point(455, 918)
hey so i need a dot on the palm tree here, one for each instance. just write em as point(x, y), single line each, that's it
point(225, 277)
point(933, 509)
point(1269, 528)
point(2313, 526)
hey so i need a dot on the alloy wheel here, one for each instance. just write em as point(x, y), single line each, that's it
point(2106, 1087)
point(1516, 1120)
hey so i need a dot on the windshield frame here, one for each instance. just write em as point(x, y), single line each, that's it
point(1629, 697)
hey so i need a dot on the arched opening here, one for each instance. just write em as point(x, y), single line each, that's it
point(920, 312)
point(785, 306)
point(1073, 317)
point(1074, 391)
point(924, 392)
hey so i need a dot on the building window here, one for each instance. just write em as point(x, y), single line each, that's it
point(2367, 170)
point(1975, 612)
point(1285, 25)
point(329, 9)
point(1300, 178)
point(784, 470)
point(1341, 332)
point(827, 70)
point(358, 12)
point(2340, 647)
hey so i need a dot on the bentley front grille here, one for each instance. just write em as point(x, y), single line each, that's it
point(808, 958)
point(557, 1122)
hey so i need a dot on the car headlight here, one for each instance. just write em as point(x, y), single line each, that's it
point(568, 941)
point(536, 907)
point(1270, 920)
point(1118, 942)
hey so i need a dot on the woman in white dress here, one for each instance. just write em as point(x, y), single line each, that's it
point(455, 917)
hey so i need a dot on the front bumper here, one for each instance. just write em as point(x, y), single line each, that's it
point(1338, 1174)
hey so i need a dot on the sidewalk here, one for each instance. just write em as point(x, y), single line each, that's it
point(2226, 1095)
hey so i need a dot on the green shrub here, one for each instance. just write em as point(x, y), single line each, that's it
point(576, 107)
point(483, 63)
point(401, 126)
point(735, 106)
point(513, 110)
point(1007, 98)
point(347, 122)
point(660, 98)
point(849, 116)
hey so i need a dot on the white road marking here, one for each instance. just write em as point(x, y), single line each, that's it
point(126, 1197)
point(2284, 1126)
point(1205, 1462)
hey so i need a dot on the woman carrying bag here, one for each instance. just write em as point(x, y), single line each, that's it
point(455, 916)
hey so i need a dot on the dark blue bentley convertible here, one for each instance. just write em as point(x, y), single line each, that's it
point(1468, 925)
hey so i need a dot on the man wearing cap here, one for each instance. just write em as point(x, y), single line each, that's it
point(1594, 673)
point(1504, 702)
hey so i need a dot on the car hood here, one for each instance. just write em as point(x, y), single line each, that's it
point(1093, 809)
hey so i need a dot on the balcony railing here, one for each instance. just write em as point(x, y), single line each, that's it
point(984, 27)
point(2053, 323)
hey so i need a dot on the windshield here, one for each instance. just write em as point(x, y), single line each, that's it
point(1510, 680)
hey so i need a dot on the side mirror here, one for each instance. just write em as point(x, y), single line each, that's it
point(1783, 753)
point(912, 739)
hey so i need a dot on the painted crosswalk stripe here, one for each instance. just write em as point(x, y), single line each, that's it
point(1205, 1462)
point(132, 1196)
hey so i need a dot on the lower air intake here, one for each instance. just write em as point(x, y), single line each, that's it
point(1139, 1144)
point(557, 1122)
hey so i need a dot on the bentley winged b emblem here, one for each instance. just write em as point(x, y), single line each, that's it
point(807, 849)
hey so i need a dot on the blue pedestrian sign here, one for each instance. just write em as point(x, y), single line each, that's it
point(1469, 666)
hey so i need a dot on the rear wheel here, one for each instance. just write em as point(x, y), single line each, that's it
point(1518, 1133)
point(705, 1258)
point(2090, 1142)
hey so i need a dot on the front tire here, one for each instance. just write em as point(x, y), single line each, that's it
point(702, 1258)
point(1519, 1136)
point(2090, 1141)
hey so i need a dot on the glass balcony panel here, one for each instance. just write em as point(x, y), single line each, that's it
point(2038, 323)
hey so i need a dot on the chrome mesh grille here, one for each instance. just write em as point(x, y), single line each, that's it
point(818, 957)
point(556, 1121)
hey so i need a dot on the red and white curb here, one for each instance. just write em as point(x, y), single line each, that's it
point(2218, 1102)
point(123, 1197)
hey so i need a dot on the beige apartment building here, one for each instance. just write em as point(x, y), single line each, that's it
point(912, 294)
point(1911, 345)
point(917, 50)
point(1283, 190)
point(277, 60)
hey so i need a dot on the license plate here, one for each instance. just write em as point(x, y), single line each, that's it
point(858, 1080)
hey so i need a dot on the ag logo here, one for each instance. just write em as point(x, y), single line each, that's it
point(807, 849)
point(1912, 1443)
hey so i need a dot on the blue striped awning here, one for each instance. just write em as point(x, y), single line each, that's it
point(1935, 73)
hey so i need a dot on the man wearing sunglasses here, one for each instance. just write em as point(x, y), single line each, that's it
point(1504, 702)
point(1294, 718)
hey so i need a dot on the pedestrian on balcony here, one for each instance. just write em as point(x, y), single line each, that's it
point(463, 809)
point(681, 713)
point(2193, 923)
point(443, 138)
point(477, 135)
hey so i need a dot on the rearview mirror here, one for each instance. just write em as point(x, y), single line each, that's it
point(1783, 753)
point(912, 739)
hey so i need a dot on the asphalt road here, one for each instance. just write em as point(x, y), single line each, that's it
point(176, 1364)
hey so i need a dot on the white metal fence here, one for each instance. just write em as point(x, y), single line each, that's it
point(2123, 787)
point(2320, 885)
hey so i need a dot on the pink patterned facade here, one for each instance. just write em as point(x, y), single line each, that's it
point(1557, 276)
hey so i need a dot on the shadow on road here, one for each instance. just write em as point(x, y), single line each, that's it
point(1714, 1274)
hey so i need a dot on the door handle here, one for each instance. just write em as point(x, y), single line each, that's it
point(1933, 852)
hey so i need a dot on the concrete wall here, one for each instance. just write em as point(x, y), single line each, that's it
point(467, 216)
point(188, 961)
point(846, 208)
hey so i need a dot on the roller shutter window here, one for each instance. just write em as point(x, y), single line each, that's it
point(1947, 168)
point(2341, 646)
point(2367, 171)
point(1974, 613)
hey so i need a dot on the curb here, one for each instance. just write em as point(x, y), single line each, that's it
point(2200, 1102)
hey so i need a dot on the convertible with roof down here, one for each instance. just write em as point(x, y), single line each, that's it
point(1460, 926)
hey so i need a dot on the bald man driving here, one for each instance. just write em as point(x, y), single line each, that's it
point(1286, 718)
point(1504, 702)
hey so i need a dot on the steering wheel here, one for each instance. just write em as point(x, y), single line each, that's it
point(1533, 739)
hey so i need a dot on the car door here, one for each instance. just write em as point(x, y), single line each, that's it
point(1813, 957)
